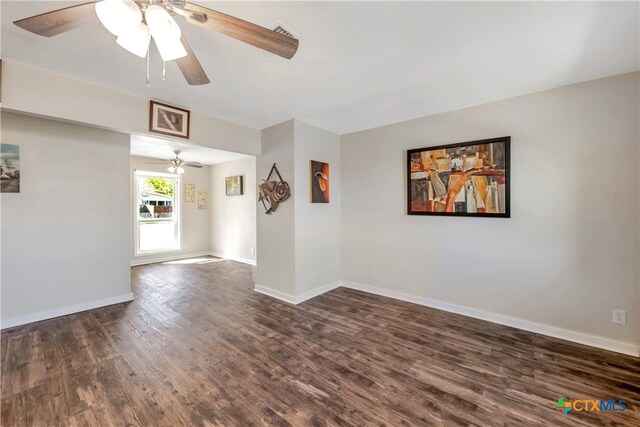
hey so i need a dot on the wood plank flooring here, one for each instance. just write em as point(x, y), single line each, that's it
point(199, 348)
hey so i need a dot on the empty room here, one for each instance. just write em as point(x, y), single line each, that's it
point(319, 213)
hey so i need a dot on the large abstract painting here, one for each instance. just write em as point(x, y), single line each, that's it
point(465, 179)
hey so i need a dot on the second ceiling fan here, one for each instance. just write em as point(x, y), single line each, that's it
point(134, 23)
point(176, 164)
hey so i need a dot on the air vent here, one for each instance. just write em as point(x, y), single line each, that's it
point(180, 4)
point(280, 29)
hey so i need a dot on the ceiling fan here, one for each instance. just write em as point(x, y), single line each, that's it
point(176, 164)
point(134, 23)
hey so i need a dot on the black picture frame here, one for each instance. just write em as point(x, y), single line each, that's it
point(506, 140)
point(160, 112)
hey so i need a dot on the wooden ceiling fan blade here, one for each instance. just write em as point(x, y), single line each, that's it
point(242, 30)
point(190, 66)
point(58, 21)
point(193, 165)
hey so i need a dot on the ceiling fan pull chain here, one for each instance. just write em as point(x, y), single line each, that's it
point(148, 77)
point(164, 70)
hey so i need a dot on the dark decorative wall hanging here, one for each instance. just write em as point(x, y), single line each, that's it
point(465, 179)
point(272, 193)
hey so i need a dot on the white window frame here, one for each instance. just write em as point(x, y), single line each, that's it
point(177, 210)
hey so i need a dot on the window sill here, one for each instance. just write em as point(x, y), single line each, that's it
point(156, 252)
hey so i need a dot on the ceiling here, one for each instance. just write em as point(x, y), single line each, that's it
point(360, 64)
point(160, 148)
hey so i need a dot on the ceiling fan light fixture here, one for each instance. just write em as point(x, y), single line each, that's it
point(122, 16)
point(180, 170)
point(161, 24)
point(118, 16)
point(166, 33)
point(136, 40)
point(170, 49)
point(171, 169)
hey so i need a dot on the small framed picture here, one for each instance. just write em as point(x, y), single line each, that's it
point(202, 200)
point(168, 120)
point(319, 182)
point(233, 185)
point(9, 168)
point(190, 193)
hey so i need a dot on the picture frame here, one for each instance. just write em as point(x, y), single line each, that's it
point(169, 120)
point(463, 179)
point(319, 181)
point(189, 193)
point(202, 200)
point(9, 168)
point(234, 185)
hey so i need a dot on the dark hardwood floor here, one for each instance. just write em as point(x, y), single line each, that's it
point(199, 347)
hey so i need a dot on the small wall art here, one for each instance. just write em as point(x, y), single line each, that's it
point(189, 193)
point(272, 192)
point(202, 200)
point(168, 120)
point(233, 185)
point(464, 179)
point(9, 168)
point(319, 182)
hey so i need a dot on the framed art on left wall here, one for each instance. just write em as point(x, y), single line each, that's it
point(169, 120)
point(9, 168)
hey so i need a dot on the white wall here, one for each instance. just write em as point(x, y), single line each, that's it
point(570, 252)
point(233, 218)
point(299, 244)
point(43, 93)
point(65, 236)
point(317, 225)
point(195, 223)
point(276, 232)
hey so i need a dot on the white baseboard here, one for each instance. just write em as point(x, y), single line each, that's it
point(316, 291)
point(234, 258)
point(63, 311)
point(552, 331)
point(296, 299)
point(275, 294)
point(152, 259)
